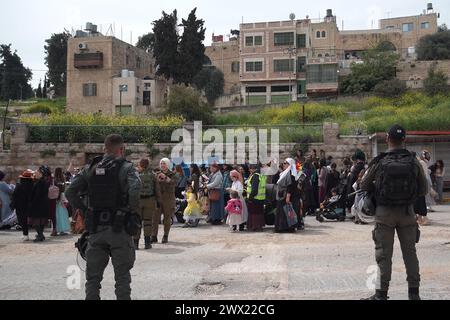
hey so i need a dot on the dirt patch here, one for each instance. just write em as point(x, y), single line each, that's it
point(209, 288)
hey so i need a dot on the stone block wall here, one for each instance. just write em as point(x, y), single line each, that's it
point(23, 155)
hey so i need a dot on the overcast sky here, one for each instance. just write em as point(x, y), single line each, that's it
point(27, 23)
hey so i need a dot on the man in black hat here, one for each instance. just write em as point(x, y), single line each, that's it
point(396, 179)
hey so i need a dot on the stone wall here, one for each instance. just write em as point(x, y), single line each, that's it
point(23, 155)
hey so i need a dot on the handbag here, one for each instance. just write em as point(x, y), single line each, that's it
point(78, 225)
point(53, 191)
point(291, 216)
point(214, 195)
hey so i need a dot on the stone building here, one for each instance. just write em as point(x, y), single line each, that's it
point(282, 61)
point(98, 66)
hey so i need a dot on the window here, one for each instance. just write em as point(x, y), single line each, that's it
point(280, 88)
point(235, 66)
point(425, 25)
point(256, 89)
point(138, 89)
point(407, 27)
point(138, 62)
point(251, 41)
point(284, 39)
point(324, 34)
point(301, 64)
point(318, 34)
point(390, 27)
point(301, 87)
point(254, 66)
point(90, 90)
point(283, 65)
point(301, 41)
point(127, 59)
point(322, 73)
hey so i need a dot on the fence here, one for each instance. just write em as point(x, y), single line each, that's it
point(97, 134)
point(289, 133)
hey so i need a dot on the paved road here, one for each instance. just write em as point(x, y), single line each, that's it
point(326, 261)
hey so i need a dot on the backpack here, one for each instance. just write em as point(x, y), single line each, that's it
point(396, 179)
point(148, 185)
point(53, 191)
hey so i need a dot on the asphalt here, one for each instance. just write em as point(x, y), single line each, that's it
point(333, 260)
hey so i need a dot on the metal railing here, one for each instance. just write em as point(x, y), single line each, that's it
point(97, 133)
point(288, 133)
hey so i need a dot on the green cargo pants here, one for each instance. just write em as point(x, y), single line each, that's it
point(389, 220)
point(102, 245)
point(148, 208)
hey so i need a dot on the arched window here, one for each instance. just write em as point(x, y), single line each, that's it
point(318, 34)
point(327, 55)
point(319, 55)
point(324, 34)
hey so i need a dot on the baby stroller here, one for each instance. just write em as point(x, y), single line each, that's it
point(332, 209)
point(180, 205)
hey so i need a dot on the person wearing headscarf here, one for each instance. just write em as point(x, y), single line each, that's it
point(21, 200)
point(287, 193)
point(238, 186)
point(5, 192)
point(256, 196)
point(40, 203)
point(167, 181)
point(215, 185)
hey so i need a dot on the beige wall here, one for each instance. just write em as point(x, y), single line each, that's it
point(222, 56)
point(410, 39)
point(114, 60)
point(414, 72)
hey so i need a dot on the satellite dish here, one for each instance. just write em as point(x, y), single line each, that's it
point(292, 16)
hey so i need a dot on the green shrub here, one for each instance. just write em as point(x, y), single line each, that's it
point(390, 88)
point(38, 108)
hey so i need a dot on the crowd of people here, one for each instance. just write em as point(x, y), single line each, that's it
point(240, 196)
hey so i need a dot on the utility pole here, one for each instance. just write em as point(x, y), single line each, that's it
point(291, 51)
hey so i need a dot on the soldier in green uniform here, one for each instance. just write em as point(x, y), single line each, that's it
point(396, 179)
point(112, 187)
point(150, 196)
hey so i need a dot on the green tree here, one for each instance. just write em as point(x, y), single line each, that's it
point(166, 46)
point(44, 88)
point(434, 47)
point(56, 61)
point(211, 81)
point(192, 50)
point(39, 90)
point(390, 88)
point(436, 82)
point(377, 65)
point(443, 27)
point(14, 77)
point(188, 103)
point(146, 42)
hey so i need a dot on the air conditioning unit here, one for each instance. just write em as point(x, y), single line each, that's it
point(83, 46)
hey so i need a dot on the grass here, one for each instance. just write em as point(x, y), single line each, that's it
point(413, 110)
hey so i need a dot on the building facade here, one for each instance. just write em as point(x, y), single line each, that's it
point(98, 66)
point(283, 61)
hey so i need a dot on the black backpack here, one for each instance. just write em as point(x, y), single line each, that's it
point(396, 179)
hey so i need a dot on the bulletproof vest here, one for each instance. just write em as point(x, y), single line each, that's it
point(104, 186)
point(148, 183)
point(396, 179)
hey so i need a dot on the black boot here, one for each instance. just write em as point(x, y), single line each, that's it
point(148, 243)
point(413, 294)
point(165, 239)
point(136, 244)
point(154, 239)
point(379, 295)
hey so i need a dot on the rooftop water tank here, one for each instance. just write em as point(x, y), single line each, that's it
point(125, 73)
point(131, 74)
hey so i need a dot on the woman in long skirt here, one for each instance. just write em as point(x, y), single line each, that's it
point(287, 193)
point(216, 206)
